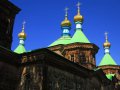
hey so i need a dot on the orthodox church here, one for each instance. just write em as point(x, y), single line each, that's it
point(69, 63)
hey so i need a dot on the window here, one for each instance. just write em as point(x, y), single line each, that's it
point(81, 58)
point(72, 57)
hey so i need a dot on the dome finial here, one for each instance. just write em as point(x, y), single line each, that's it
point(23, 26)
point(66, 22)
point(78, 17)
point(106, 36)
point(106, 44)
point(22, 34)
point(78, 5)
point(66, 13)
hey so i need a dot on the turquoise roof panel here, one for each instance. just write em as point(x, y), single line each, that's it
point(20, 49)
point(62, 40)
point(107, 60)
point(79, 36)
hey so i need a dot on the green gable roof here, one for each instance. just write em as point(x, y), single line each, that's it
point(62, 40)
point(20, 49)
point(107, 60)
point(79, 37)
point(110, 76)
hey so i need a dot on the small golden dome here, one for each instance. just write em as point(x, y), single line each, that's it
point(78, 17)
point(22, 35)
point(106, 44)
point(66, 22)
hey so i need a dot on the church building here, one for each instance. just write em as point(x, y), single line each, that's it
point(69, 63)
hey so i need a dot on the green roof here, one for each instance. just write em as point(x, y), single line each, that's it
point(107, 60)
point(62, 40)
point(79, 36)
point(110, 76)
point(20, 49)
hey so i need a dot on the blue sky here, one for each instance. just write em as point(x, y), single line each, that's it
point(43, 18)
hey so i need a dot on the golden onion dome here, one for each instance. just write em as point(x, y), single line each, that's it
point(22, 35)
point(78, 17)
point(106, 44)
point(66, 22)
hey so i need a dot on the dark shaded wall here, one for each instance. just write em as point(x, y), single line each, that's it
point(8, 77)
point(9, 70)
point(8, 12)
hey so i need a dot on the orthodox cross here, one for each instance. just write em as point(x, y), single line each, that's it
point(66, 11)
point(23, 27)
point(106, 36)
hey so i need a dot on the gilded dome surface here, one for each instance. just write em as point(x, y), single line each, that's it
point(78, 17)
point(107, 44)
point(66, 22)
point(22, 35)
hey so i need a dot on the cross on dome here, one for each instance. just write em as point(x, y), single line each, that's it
point(106, 36)
point(78, 4)
point(66, 12)
point(23, 25)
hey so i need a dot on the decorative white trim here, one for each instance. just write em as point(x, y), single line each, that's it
point(107, 50)
point(78, 26)
point(65, 31)
point(21, 41)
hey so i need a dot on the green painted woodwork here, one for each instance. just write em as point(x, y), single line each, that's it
point(62, 40)
point(110, 76)
point(20, 49)
point(79, 36)
point(107, 60)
